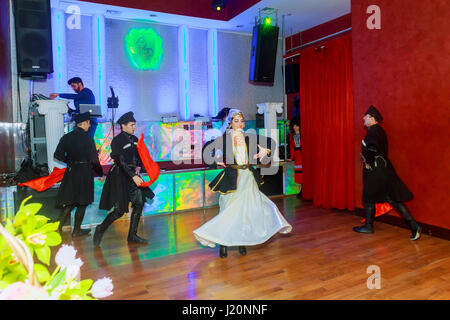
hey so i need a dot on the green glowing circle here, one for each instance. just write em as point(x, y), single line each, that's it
point(144, 48)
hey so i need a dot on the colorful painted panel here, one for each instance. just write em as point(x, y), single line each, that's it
point(211, 198)
point(93, 214)
point(163, 200)
point(6, 203)
point(189, 190)
point(290, 187)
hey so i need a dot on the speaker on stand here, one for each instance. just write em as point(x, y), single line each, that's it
point(33, 33)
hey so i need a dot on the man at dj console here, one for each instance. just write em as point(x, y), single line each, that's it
point(82, 95)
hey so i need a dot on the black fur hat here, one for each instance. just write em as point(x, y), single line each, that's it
point(374, 113)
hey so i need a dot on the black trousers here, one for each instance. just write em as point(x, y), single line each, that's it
point(79, 215)
point(137, 199)
point(369, 209)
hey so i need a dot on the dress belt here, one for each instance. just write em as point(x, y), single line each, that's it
point(237, 166)
point(79, 162)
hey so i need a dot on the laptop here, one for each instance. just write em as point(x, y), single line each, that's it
point(94, 109)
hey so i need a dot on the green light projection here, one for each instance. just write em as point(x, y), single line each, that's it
point(144, 49)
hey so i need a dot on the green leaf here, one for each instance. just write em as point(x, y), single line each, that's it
point(28, 226)
point(9, 226)
point(3, 284)
point(32, 208)
point(58, 279)
point(41, 220)
point(85, 285)
point(43, 254)
point(64, 296)
point(22, 204)
point(41, 272)
point(49, 226)
point(53, 239)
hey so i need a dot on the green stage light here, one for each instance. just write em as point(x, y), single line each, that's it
point(144, 49)
point(267, 20)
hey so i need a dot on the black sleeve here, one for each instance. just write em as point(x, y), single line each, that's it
point(60, 152)
point(94, 159)
point(118, 158)
point(370, 147)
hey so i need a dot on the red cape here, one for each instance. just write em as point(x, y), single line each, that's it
point(380, 209)
point(150, 166)
point(43, 183)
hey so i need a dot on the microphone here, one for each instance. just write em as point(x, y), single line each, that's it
point(113, 102)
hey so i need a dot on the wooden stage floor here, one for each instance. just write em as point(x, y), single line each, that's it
point(322, 258)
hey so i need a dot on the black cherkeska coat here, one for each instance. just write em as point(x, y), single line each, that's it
point(226, 181)
point(77, 150)
point(380, 181)
point(119, 181)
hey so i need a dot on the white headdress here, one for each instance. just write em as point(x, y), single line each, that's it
point(232, 113)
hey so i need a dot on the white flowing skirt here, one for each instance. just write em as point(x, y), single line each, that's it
point(246, 217)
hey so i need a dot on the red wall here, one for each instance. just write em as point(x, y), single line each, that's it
point(403, 70)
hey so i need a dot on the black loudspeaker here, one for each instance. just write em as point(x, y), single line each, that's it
point(292, 77)
point(33, 38)
point(264, 53)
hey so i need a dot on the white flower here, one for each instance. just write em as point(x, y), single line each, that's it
point(73, 271)
point(37, 238)
point(23, 291)
point(102, 288)
point(66, 256)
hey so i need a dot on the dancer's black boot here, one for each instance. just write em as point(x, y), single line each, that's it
point(79, 215)
point(415, 228)
point(101, 228)
point(134, 223)
point(369, 212)
point(242, 250)
point(65, 213)
point(223, 251)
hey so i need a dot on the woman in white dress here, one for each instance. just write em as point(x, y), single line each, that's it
point(246, 216)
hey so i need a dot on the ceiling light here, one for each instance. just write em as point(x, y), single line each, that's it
point(218, 5)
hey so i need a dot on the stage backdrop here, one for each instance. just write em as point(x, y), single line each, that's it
point(402, 69)
point(152, 93)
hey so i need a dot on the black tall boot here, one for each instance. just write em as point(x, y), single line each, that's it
point(406, 214)
point(134, 223)
point(223, 251)
point(101, 228)
point(65, 213)
point(369, 212)
point(79, 215)
point(242, 250)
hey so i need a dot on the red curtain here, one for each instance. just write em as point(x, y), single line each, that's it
point(327, 124)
